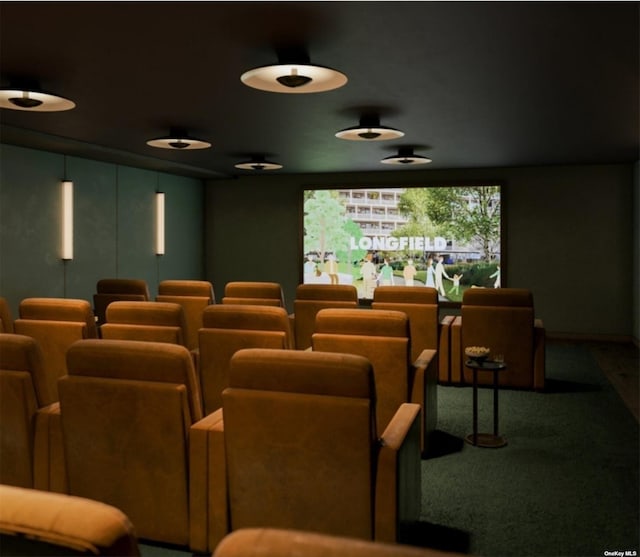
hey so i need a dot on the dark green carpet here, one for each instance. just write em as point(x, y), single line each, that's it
point(565, 485)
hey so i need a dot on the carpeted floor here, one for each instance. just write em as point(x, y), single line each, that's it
point(565, 485)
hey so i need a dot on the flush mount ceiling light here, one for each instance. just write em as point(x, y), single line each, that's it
point(369, 130)
point(178, 140)
point(32, 100)
point(406, 156)
point(258, 163)
point(294, 73)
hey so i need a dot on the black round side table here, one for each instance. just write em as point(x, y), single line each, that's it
point(493, 440)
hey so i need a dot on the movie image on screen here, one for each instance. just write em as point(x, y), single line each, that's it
point(445, 237)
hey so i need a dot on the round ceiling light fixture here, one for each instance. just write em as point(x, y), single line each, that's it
point(258, 163)
point(32, 100)
point(178, 140)
point(369, 130)
point(406, 157)
point(294, 78)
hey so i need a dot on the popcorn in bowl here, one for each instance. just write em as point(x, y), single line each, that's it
point(478, 353)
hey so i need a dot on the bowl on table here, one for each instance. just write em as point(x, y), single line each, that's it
point(477, 353)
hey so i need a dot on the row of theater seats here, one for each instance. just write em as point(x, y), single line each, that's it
point(130, 389)
point(295, 438)
point(40, 523)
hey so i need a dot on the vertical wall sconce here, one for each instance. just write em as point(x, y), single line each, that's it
point(159, 223)
point(67, 220)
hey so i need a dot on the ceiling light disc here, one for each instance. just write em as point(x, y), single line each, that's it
point(178, 143)
point(33, 101)
point(294, 78)
point(369, 133)
point(406, 160)
point(258, 165)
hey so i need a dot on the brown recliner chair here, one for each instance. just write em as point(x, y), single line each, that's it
point(127, 408)
point(55, 323)
point(146, 321)
point(194, 296)
point(24, 389)
point(383, 336)
point(6, 317)
point(503, 320)
point(301, 449)
point(310, 299)
point(254, 293)
point(228, 328)
point(112, 289)
point(272, 542)
point(427, 330)
point(36, 522)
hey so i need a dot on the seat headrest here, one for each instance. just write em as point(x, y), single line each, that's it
point(297, 371)
point(513, 297)
point(130, 359)
point(166, 314)
point(59, 309)
point(136, 360)
point(343, 292)
point(249, 289)
point(245, 317)
point(201, 288)
point(370, 322)
point(406, 295)
point(123, 286)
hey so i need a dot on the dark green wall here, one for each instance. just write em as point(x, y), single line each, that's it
point(570, 231)
point(569, 235)
point(114, 225)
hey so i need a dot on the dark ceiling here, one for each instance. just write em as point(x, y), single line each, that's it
point(472, 84)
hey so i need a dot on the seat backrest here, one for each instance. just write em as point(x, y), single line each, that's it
point(228, 328)
point(311, 298)
point(300, 441)
point(6, 317)
point(194, 296)
point(382, 336)
point(24, 387)
point(253, 293)
point(55, 323)
point(147, 321)
point(126, 409)
point(421, 306)
point(503, 320)
point(114, 289)
point(36, 522)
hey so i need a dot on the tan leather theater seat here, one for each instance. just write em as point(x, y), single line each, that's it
point(310, 299)
point(228, 328)
point(502, 319)
point(384, 337)
point(301, 449)
point(194, 296)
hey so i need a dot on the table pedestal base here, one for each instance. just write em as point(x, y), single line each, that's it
point(486, 440)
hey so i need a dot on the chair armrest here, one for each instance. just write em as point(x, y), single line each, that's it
point(455, 359)
point(424, 391)
point(444, 349)
point(49, 465)
point(398, 483)
point(539, 355)
point(209, 522)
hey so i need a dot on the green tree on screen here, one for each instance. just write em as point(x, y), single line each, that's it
point(325, 224)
